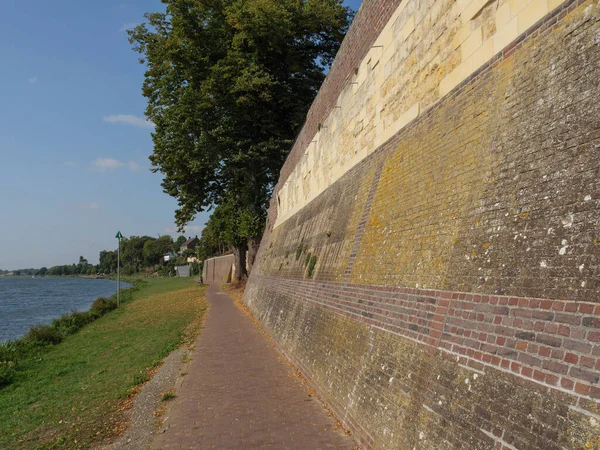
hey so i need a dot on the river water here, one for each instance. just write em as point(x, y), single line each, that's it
point(30, 301)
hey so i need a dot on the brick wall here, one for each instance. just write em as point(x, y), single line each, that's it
point(444, 292)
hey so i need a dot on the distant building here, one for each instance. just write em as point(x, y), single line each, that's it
point(190, 244)
point(170, 256)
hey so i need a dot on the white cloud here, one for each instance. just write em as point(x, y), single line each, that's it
point(128, 26)
point(128, 119)
point(104, 164)
point(33, 80)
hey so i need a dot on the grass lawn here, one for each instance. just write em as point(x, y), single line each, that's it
point(74, 395)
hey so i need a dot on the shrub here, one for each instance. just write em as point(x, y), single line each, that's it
point(8, 351)
point(139, 378)
point(311, 266)
point(68, 324)
point(103, 305)
point(43, 335)
point(195, 269)
point(299, 252)
point(168, 396)
point(13, 351)
point(7, 373)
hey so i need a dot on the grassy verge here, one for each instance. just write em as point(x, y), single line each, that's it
point(74, 394)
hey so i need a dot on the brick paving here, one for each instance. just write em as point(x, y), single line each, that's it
point(238, 393)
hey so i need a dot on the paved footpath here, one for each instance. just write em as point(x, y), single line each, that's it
point(238, 393)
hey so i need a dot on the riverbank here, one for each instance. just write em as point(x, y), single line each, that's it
point(26, 302)
point(74, 395)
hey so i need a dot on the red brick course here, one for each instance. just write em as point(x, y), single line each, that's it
point(470, 326)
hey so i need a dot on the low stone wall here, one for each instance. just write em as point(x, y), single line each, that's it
point(218, 270)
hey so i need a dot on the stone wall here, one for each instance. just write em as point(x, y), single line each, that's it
point(441, 288)
point(426, 49)
point(218, 270)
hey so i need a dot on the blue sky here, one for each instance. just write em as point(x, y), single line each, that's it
point(74, 145)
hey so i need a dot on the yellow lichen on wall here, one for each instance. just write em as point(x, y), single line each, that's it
point(427, 49)
point(429, 186)
point(417, 210)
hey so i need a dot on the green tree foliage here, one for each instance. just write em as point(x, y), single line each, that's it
point(196, 269)
point(210, 243)
point(155, 249)
point(189, 253)
point(229, 227)
point(228, 84)
point(164, 244)
point(20, 272)
point(83, 267)
point(151, 254)
point(108, 261)
point(137, 253)
point(132, 251)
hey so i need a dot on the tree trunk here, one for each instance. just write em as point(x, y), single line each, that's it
point(239, 261)
point(253, 245)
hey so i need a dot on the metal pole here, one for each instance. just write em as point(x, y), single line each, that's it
point(119, 274)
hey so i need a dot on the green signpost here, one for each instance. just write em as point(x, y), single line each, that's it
point(119, 236)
